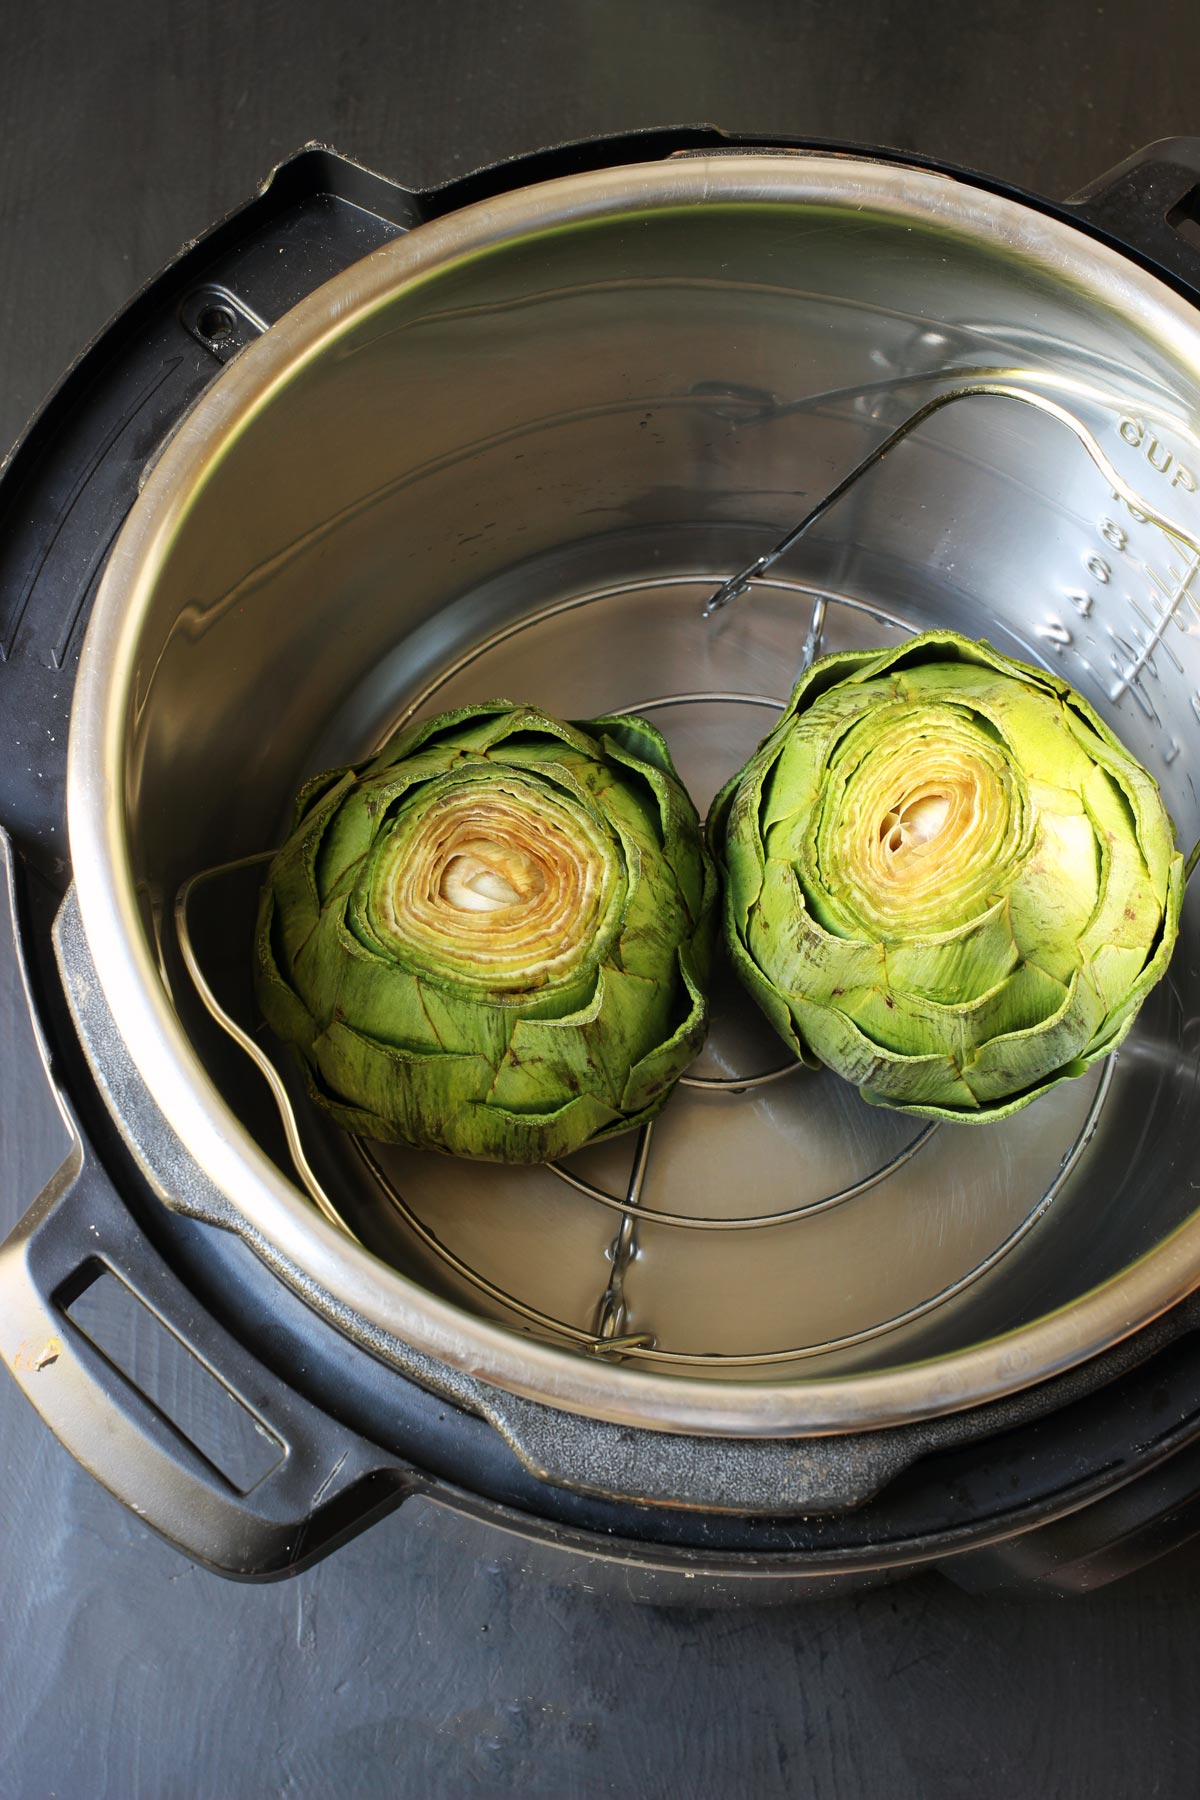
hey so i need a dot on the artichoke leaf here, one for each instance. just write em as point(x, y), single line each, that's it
point(946, 877)
point(489, 939)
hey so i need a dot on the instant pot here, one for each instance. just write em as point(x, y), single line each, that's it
point(360, 454)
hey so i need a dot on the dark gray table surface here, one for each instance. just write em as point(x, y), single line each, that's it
point(419, 1660)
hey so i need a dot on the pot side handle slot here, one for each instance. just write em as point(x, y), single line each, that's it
point(1150, 204)
point(157, 1400)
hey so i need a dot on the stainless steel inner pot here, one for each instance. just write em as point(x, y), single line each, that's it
point(512, 453)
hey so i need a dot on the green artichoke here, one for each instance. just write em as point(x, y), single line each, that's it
point(946, 878)
point(493, 938)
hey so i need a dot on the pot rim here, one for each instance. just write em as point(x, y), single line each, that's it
point(275, 1209)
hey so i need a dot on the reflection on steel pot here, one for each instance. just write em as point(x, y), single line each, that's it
point(512, 451)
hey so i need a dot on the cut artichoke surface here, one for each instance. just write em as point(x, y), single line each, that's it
point(493, 939)
point(945, 877)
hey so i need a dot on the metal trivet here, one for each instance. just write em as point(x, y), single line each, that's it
point(607, 1336)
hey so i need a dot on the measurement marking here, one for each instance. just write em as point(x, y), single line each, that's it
point(738, 584)
point(1056, 633)
point(1128, 654)
point(1152, 625)
point(1174, 597)
point(1162, 613)
point(1167, 589)
point(1164, 616)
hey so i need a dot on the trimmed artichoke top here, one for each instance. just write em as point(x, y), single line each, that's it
point(946, 878)
point(493, 938)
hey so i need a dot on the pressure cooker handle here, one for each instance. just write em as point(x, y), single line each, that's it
point(1151, 205)
point(323, 1483)
point(295, 1481)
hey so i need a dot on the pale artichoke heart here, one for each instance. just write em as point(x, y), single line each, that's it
point(491, 883)
point(926, 821)
point(485, 874)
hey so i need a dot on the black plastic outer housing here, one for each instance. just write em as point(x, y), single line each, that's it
point(1102, 1485)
